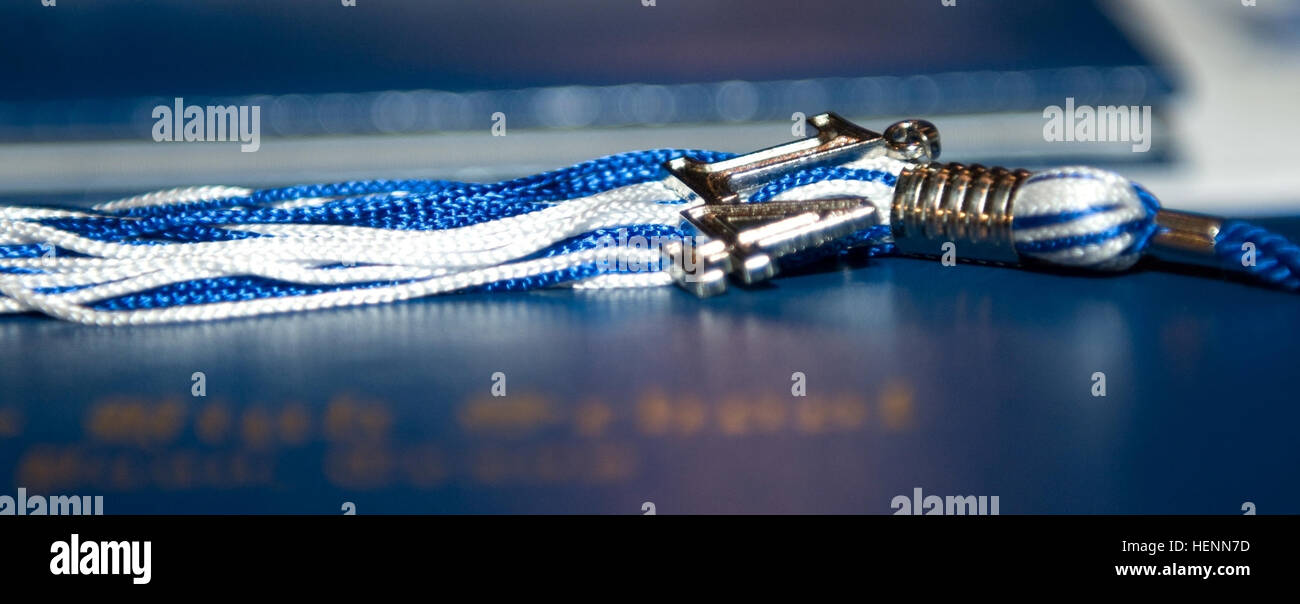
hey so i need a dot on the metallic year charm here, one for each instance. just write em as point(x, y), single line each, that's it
point(744, 240)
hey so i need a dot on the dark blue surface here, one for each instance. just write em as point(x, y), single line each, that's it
point(966, 380)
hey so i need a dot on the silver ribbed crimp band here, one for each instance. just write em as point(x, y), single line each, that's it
point(971, 206)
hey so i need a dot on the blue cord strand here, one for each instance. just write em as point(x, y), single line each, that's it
point(423, 205)
point(1277, 259)
point(794, 180)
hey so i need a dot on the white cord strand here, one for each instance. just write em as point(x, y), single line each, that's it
point(182, 195)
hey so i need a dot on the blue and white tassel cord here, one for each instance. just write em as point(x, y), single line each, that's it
point(219, 252)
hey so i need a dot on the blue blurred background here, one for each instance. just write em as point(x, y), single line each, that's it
point(976, 383)
point(94, 69)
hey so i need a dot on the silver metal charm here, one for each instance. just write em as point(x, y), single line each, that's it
point(745, 240)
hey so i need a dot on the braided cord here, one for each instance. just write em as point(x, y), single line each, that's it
point(1275, 261)
point(385, 204)
point(205, 253)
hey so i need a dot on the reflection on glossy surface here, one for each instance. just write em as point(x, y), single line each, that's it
point(962, 380)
